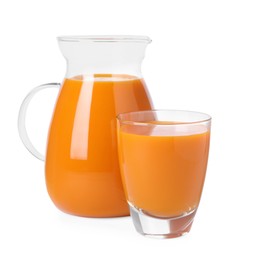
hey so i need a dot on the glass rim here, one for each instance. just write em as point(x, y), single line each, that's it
point(119, 117)
point(105, 38)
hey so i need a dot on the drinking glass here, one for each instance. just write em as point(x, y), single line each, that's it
point(163, 158)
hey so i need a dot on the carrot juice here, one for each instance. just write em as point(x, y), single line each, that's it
point(82, 170)
point(163, 166)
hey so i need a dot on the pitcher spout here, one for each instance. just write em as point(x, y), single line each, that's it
point(115, 54)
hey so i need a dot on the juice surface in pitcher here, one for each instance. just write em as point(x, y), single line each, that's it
point(82, 170)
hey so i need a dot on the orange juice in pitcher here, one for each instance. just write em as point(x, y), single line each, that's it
point(103, 79)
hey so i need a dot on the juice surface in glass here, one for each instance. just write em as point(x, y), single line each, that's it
point(82, 170)
point(163, 170)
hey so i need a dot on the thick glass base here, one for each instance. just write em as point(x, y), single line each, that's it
point(161, 227)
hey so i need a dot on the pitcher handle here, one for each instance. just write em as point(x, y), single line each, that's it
point(22, 116)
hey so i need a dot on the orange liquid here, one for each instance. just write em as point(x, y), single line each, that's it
point(82, 170)
point(163, 173)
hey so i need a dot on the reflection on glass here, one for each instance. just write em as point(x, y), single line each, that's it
point(80, 134)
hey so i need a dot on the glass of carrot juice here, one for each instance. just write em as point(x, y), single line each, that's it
point(163, 158)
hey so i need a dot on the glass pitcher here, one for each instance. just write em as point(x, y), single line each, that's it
point(103, 79)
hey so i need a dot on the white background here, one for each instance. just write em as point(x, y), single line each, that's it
point(201, 58)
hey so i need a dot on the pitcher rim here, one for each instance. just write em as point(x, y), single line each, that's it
point(105, 38)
